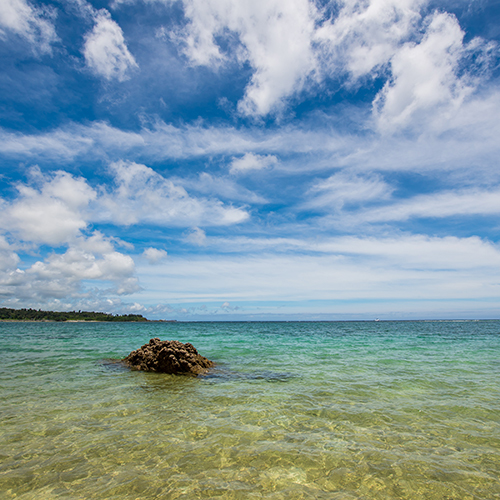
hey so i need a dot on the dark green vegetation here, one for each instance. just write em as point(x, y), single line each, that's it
point(34, 315)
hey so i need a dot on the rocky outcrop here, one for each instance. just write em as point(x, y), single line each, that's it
point(168, 356)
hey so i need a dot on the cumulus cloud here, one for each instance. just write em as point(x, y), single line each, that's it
point(424, 75)
point(58, 209)
point(62, 276)
point(105, 50)
point(51, 211)
point(363, 36)
point(88, 268)
point(197, 237)
point(8, 257)
point(251, 161)
point(420, 57)
point(141, 194)
point(227, 307)
point(154, 255)
point(35, 24)
point(274, 37)
point(67, 270)
point(291, 44)
point(295, 45)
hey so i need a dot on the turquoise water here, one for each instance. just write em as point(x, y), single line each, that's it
point(349, 410)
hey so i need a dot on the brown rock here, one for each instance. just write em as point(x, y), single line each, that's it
point(168, 356)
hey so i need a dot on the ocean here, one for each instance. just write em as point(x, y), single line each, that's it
point(326, 410)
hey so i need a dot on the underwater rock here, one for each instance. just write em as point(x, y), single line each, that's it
point(168, 356)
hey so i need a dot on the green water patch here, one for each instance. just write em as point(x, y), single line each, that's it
point(293, 411)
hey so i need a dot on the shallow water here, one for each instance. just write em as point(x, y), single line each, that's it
point(353, 410)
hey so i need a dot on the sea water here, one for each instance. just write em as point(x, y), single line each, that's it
point(331, 410)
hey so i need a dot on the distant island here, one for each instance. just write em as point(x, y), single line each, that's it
point(7, 314)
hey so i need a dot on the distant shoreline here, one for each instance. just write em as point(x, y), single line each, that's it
point(60, 321)
point(85, 321)
point(39, 316)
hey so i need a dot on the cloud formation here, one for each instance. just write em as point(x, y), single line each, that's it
point(58, 210)
point(35, 24)
point(273, 36)
point(54, 210)
point(143, 195)
point(197, 237)
point(362, 37)
point(65, 276)
point(295, 46)
point(347, 188)
point(249, 162)
point(154, 255)
point(105, 50)
point(50, 210)
point(345, 268)
point(425, 75)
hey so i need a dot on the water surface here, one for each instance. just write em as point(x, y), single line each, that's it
point(343, 410)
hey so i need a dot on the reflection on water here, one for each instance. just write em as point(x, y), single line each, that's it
point(292, 411)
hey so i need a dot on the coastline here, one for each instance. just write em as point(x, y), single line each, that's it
point(85, 321)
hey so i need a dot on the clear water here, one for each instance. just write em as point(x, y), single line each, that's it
point(387, 410)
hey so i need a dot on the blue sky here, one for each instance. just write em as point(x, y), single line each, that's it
point(251, 159)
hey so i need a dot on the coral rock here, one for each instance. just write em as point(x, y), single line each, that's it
point(168, 356)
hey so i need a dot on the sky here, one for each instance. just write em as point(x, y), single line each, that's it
point(251, 159)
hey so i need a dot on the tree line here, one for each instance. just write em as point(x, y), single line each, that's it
point(39, 315)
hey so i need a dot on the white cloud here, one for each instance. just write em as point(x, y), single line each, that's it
point(76, 264)
point(419, 251)
point(54, 210)
point(143, 195)
point(101, 244)
point(164, 141)
point(154, 255)
point(32, 23)
point(405, 251)
point(105, 51)
point(447, 142)
point(424, 75)
point(251, 161)
point(365, 35)
point(8, 258)
point(197, 237)
point(409, 267)
point(221, 187)
point(62, 275)
point(60, 144)
point(444, 204)
point(274, 37)
point(57, 209)
point(76, 274)
point(293, 44)
point(346, 188)
point(227, 307)
point(49, 213)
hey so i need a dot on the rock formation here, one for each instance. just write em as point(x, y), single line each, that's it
point(168, 356)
